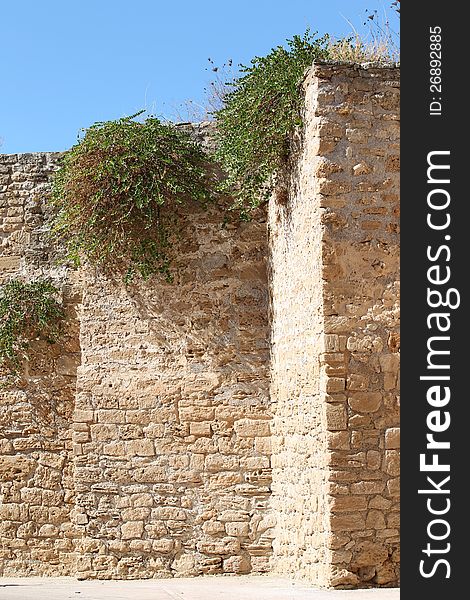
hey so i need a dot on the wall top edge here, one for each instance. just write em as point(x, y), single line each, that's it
point(28, 156)
point(200, 129)
point(389, 71)
point(364, 66)
point(326, 69)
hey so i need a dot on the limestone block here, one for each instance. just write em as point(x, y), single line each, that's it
point(365, 402)
point(183, 565)
point(233, 515)
point(251, 428)
point(200, 428)
point(164, 545)
point(217, 462)
point(132, 530)
point(140, 447)
point(9, 263)
point(225, 546)
point(83, 416)
point(358, 382)
point(380, 503)
point(374, 459)
point(237, 529)
point(103, 433)
point(336, 417)
point(348, 522)
point(392, 462)
point(149, 474)
point(48, 531)
point(348, 503)
point(369, 553)
point(335, 384)
point(213, 527)
point(236, 564)
point(375, 520)
point(389, 363)
point(367, 487)
point(392, 438)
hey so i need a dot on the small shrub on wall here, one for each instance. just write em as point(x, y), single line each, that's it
point(263, 108)
point(116, 192)
point(259, 115)
point(28, 311)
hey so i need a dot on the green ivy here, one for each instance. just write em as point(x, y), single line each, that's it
point(117, 190)
point(259, 115)
point(28, 311)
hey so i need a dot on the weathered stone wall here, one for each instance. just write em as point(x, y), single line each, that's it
point(335, 336)
point(172, 454)
point(359, 193)
point(153, 459)
point(36, 480)
point(170, 471)
point(300, 466)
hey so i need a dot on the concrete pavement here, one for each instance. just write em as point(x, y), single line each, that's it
point(201, 588)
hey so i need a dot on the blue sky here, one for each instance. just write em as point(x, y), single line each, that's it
point(69, 63)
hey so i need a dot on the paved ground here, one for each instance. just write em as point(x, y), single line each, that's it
point(205, 588)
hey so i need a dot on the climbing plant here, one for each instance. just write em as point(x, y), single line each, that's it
point(28, 311)
point(261, 110)
point(117, 191)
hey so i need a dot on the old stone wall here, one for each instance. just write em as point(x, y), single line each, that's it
point(140, 445)
point(300, 465)
point(335, 340)
point(36, 479)
point(168, 472)
point(172, 419)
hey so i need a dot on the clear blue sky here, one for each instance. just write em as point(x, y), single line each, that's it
point(68, 63)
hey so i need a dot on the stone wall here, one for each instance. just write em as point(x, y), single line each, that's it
point(335, 339)
point(168, 472)
point(36, 479)
point(140, 446)
point(300, 459)
point(172, 453)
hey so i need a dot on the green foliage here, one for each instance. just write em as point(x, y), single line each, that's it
point(28, 311)
point(259, 115)
point(117, 190)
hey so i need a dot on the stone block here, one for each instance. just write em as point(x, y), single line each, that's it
point(140, 447)
point(392, 462)
point(225, 546)
point(348, 503)
point(252, 428)
point(201, 428)
point(132, 530)
point(218, 462)
point(336, 417)
point(237, 529)
point(348, 521)
point(392, 438)
point(48, 531)
point(365, 402)
point(369, 553)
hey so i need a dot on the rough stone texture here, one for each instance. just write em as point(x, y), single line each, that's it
point(154, 458)
point(300, 465)
point(172, 460)
point(335, 340)
point(36, 480)
point(170, 473)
